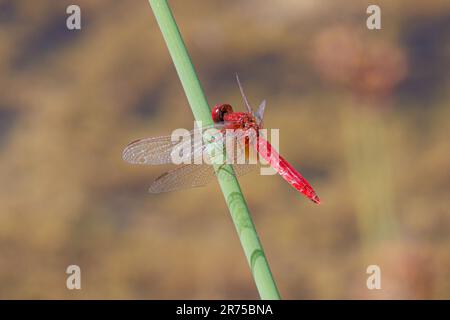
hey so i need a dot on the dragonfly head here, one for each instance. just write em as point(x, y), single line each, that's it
point(219, 111)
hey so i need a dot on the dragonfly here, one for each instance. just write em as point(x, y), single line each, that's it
point(244, 128)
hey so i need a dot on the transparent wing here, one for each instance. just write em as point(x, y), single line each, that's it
point(191, 176)
point(247, 105)
point(259, 114)
point(158, 150)
point(197, 175)
point(185, 176)
point(149, 151)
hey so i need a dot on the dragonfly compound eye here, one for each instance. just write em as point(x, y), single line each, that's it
point(219, 111)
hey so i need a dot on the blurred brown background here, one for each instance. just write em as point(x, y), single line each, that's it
point(364, 115)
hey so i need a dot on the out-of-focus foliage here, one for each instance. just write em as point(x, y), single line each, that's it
point(363, 114)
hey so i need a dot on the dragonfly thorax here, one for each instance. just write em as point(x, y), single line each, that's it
point(240, 120)
point(223, 113)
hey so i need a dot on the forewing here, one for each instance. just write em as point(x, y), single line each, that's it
point(149, 151)
point(158, 150)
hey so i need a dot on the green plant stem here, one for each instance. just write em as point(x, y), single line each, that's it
point(227, 180)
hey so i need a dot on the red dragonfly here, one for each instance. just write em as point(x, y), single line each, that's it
point(159, 150)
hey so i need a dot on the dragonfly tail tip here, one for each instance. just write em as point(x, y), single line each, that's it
point(315, 199)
